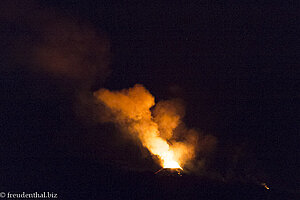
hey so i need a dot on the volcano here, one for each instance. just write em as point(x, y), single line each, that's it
point(169, 172)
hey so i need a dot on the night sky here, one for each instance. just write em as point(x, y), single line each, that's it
point(233, 65)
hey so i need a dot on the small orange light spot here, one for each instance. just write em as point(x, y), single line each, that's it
point(265, 185)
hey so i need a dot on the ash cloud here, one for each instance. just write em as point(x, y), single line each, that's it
point(59, 44)
point(52, 60)
point(71, 50)
point(159, 128)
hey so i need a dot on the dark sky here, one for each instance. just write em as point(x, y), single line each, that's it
point(234, 65)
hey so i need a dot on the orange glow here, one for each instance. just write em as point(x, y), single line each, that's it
point(131, 110)
point(265, 185)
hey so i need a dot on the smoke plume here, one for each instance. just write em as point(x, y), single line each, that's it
point(61, 45)
point(131, 110)
point(72, 50)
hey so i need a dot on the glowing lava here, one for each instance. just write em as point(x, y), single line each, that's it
point(168, 161)
point(171, 164)
point(265, 185)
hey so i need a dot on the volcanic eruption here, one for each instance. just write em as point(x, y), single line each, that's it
point(134, 110)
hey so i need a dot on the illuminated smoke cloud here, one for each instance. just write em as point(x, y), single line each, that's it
point(56, 43)
point(131, 111)
point(72, 51)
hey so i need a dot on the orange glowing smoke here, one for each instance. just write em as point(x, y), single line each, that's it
point(131, 110)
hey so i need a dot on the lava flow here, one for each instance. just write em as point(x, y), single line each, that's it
point(130, 109)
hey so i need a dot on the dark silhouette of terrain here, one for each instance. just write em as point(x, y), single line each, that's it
point(72, 178)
